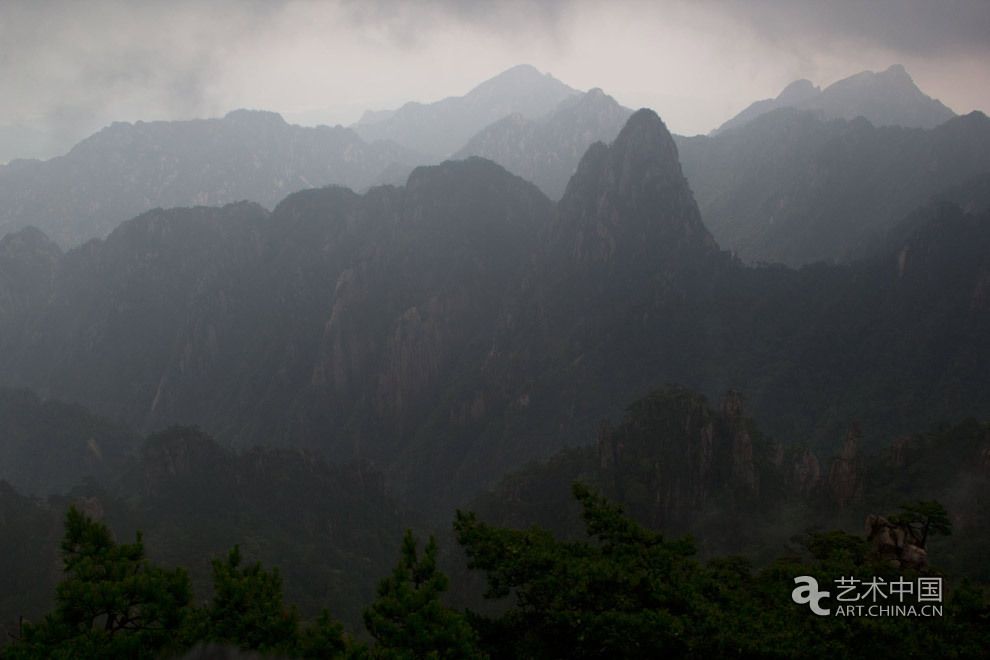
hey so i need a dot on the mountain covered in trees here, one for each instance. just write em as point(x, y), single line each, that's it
point(887, 98)
point(793, 188)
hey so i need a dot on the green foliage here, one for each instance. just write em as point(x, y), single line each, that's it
point(924, 519)
point(408, 619)
point(623, 592)
point(247, 608)
point(325, 638)
point(628, 593)
point(112, 602)
point(247, 611)
point(838, 547)
point(29, 536)
point(196, 499)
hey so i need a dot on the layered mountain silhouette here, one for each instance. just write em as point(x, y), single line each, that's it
point(793, 188)
point(463, 323)
point(888, 98)
point(441, 128)
point(546, 150)
point(126, 169)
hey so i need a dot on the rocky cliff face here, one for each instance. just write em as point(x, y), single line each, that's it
point(744, 470)
point(630, 201)
point(627, 233)
point(894, 544)
point(802, 471)
point(600, 312)
point(674, 454)
point(846, 474)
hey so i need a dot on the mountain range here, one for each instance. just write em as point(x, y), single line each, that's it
point(888, 98)
point(367, 361)
point(793, 188)
point(438, 129)
point(126, 169)
point(535, 127)
point(464, 322)
point(546, 150)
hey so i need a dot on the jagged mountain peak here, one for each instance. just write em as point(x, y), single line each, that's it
point(642, 156)
point(519, 74)
point(442, 127)
point(631, 198)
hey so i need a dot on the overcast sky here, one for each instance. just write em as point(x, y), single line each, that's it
point(69, 68)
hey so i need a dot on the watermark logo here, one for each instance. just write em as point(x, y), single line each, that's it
point(809, 594)
point(900, 597)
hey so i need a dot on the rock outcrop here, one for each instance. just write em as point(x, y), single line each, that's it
point(742, 452)
point(674, 453)
point(846, 474)
point(802, 471)
point(895, 544)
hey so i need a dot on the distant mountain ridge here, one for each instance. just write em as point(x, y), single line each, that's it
point(440, 128)
point(546, 150)
point(888, 98)
point(793, 188)
point(127, 169)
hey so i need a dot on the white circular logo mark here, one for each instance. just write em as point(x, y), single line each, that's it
point(809, 594)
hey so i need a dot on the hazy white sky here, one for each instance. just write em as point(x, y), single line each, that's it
point(69, 68)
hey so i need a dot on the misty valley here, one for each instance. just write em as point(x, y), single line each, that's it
point(518, 374)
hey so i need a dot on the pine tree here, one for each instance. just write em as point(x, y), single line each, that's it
point(112, 602)
point(247, 608)
point(924, 519)
point(408, 620)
